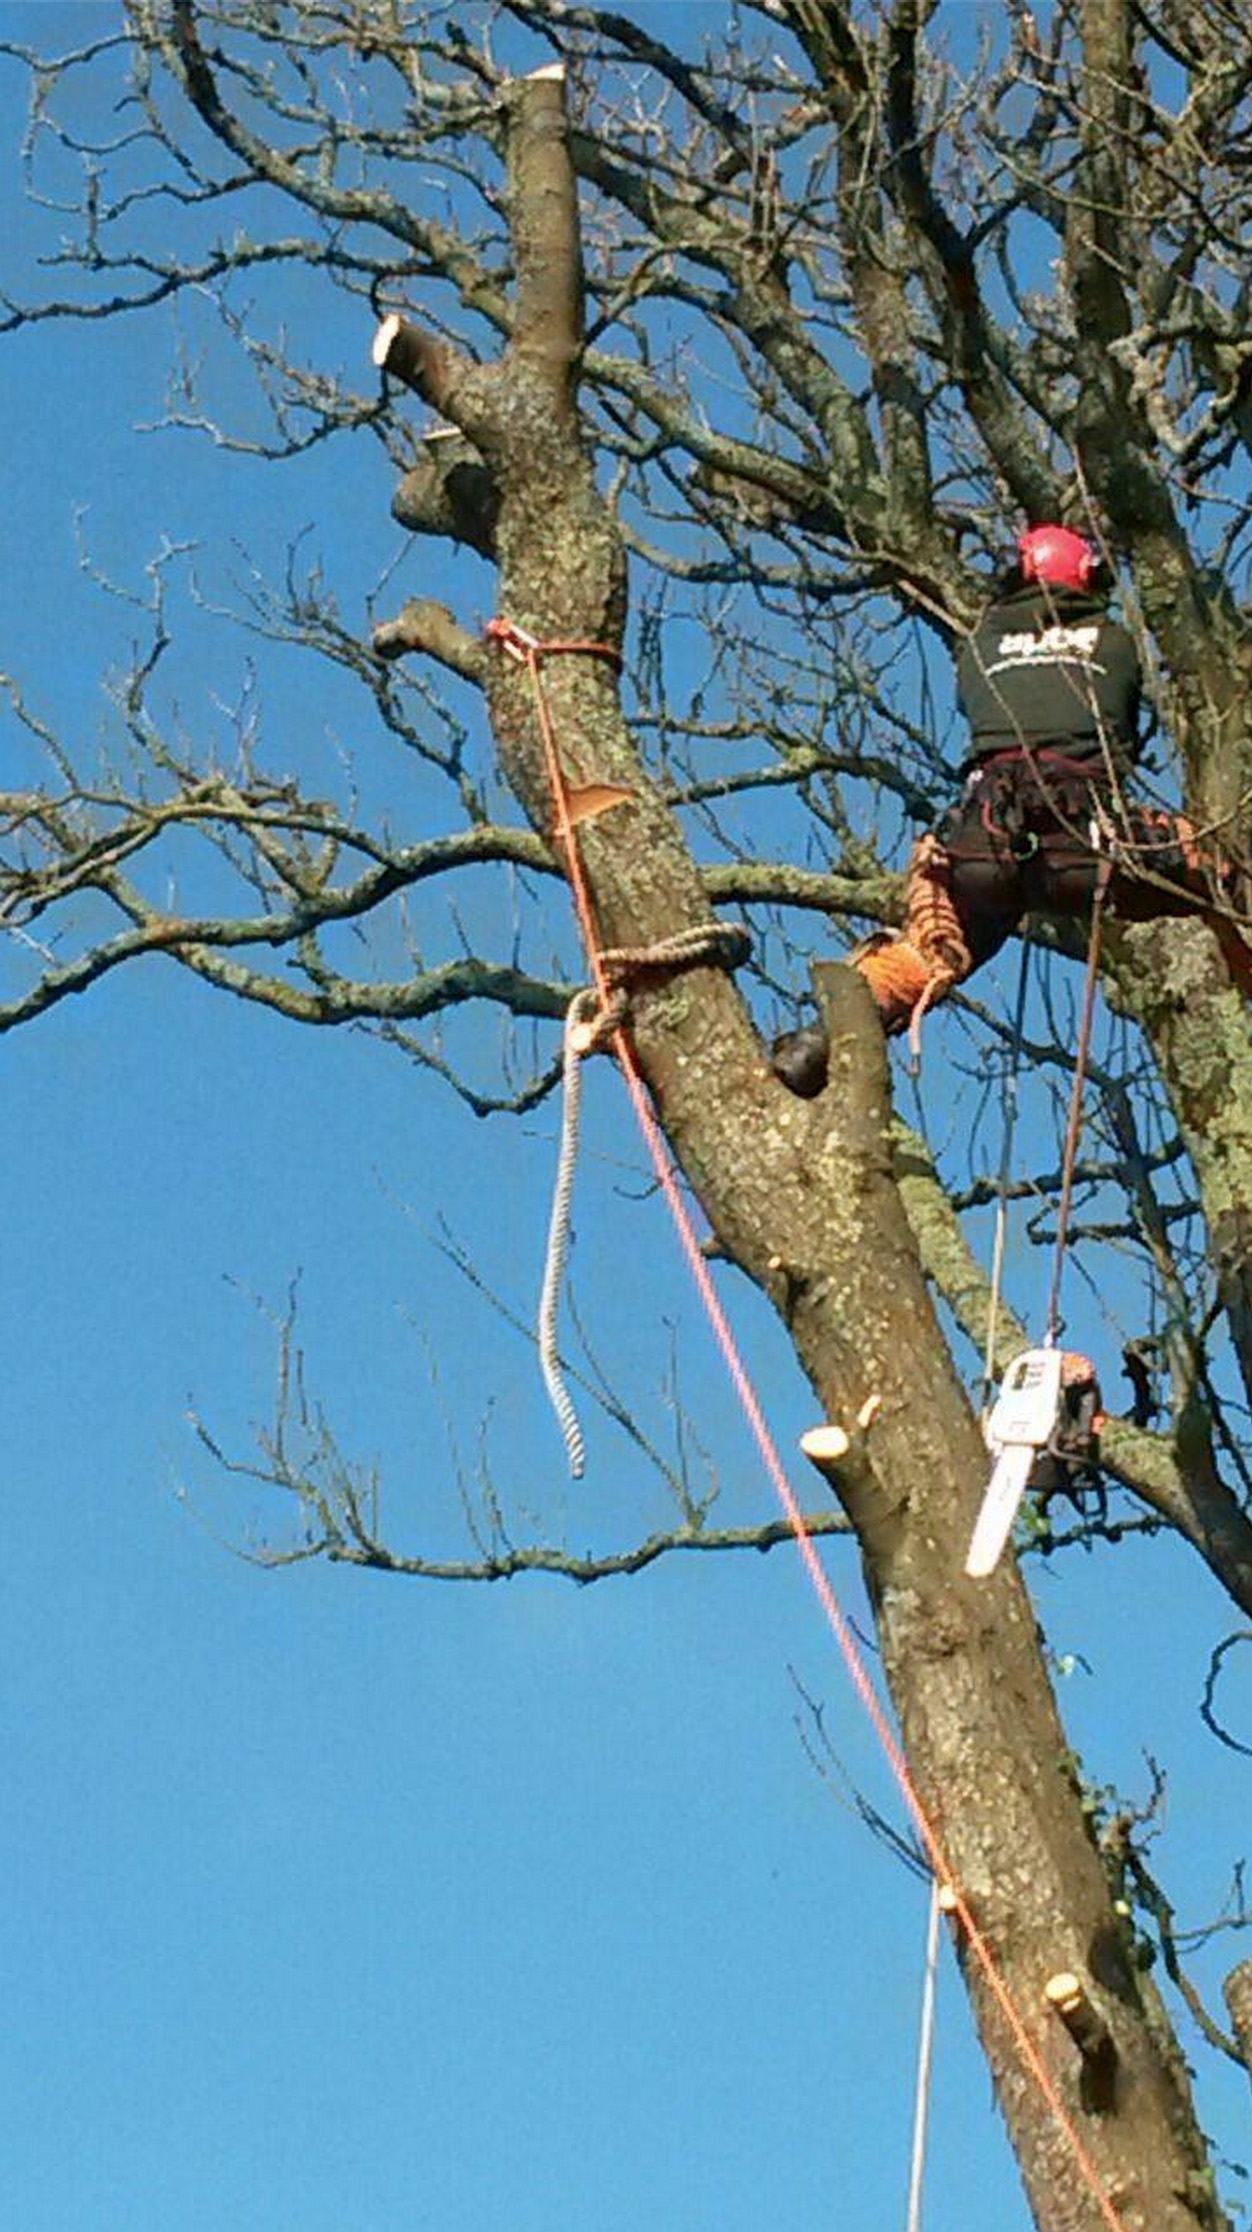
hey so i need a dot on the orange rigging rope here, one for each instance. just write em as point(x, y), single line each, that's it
point(519, 644)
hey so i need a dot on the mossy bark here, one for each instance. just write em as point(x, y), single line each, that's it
point(1172, 978)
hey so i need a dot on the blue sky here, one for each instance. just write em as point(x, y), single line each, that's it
point(334, 1900)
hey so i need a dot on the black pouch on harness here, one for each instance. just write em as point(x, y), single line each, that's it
point(994, 816)
point(1041, 802)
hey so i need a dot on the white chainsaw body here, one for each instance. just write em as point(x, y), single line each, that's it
point(1021, 1423)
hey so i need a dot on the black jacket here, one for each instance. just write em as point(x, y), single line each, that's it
point(1047, 667)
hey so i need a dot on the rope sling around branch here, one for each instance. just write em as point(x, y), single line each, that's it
point(530, 652)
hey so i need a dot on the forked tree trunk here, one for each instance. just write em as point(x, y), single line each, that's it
point(801, 1195)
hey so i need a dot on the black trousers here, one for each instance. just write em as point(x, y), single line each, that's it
point(1029, 834)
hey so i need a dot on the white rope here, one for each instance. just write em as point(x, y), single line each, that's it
point(714, 945)
point(587, 1025)
point(989, 1373)
point(558, 1235)
point(925, 2045)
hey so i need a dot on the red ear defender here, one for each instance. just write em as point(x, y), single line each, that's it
point(1057, 557)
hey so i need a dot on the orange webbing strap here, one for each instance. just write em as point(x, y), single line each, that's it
point(531, 653)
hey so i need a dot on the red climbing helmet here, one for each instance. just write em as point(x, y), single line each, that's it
point(1057, 557)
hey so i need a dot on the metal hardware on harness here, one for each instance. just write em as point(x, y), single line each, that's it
point(1022, 1422)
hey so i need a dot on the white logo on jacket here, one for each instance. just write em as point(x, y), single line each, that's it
point(1055, 646)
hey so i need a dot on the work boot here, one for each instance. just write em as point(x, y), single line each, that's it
point(900, 981)
point(801, 1059)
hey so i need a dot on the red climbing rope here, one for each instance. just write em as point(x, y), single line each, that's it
point(530, 652)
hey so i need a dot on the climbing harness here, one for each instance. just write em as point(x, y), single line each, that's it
point(531, 653)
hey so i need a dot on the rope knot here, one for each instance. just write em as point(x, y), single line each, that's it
point(591, 1022)
point(530, 650)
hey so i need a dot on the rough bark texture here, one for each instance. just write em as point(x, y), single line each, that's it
point(803, 1197)
point(1173, 979)
point(449, 492)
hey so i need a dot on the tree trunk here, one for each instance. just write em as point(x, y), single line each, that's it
point(802, 1197)
point(1173, 979)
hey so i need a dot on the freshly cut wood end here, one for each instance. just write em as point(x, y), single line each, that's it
point(1064, 1992)
point(1068, 1998)
point(553, 73)
point(385, 340)
point(824, 1445)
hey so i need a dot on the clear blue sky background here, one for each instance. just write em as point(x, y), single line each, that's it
point(342, 1903)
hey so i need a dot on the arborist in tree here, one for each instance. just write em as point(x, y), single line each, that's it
point(1050, 685)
